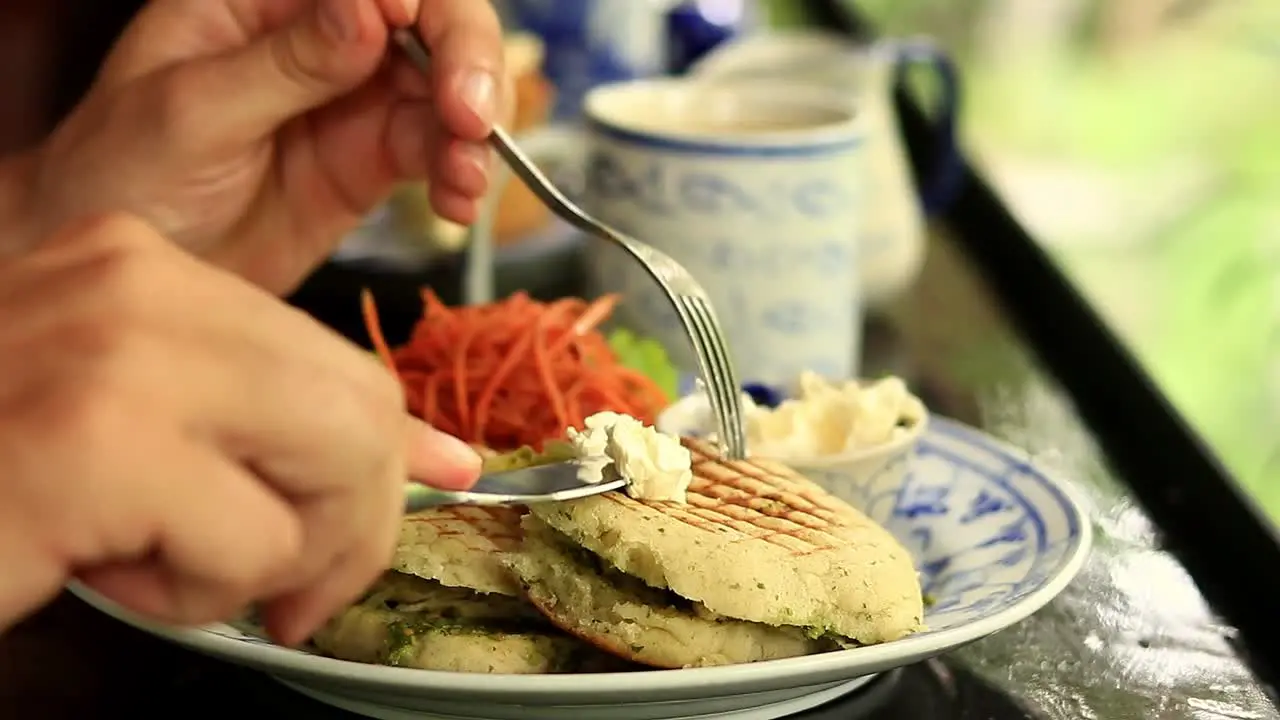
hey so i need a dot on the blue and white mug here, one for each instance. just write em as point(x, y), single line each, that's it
point(893, 229)
point(756, 189)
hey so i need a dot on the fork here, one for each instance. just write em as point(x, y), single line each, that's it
point(554, 482)
point(690, 300)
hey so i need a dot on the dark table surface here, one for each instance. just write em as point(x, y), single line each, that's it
point(1131, 638)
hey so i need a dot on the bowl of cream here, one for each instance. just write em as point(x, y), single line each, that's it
point(849, 436)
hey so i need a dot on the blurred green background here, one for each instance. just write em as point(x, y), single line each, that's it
point(1139, 140)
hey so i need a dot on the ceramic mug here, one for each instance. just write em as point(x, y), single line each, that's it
point(756, 190)
point(892, 231)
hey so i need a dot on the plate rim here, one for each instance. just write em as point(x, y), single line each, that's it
point(800, 703)
point(275, 659)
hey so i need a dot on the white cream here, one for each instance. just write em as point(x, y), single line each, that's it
point(829, 418)
point(655, 465)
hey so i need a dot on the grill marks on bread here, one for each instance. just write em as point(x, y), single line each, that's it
point(756, 499)
point(460, 546)
point(759, 542)
point(476, 528)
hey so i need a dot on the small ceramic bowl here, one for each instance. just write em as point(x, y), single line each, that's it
point(850, 476)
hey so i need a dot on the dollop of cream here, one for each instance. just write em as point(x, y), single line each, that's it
point(832, 418)
point(655, 465)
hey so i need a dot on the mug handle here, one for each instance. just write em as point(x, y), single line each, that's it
point(548, 144)
point(941, 183)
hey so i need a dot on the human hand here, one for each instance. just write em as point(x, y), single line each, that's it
point(257, 132)
point(186, 444)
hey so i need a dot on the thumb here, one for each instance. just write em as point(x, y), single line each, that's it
point(325, 53)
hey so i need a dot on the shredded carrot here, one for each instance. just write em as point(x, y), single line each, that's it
point(374, 326)
point(515, 372)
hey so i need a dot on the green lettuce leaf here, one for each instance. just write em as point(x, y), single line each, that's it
point(648, 357)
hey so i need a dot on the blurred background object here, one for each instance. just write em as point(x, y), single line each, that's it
point(519, 212)
point(26, 42)
point(1139, 141)
point(593, 41)
point(890, 220)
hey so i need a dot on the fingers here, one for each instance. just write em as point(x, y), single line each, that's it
point(421, 148)
point(332, 426)
point(439, 459)
point(214, 536)
point(165, 32)
point(266, 456)
point(333, 579)
point(453, 205)
point(465, 38)
point(316, 424)
point(463, 168)
point(32, 575)
point(348, 548)
point(346, 475)
point(323, 423)
point(413, 138)
point(471, 91)
point(457, 172)
point(315, 413)
point(325, 53)
point(399, 13)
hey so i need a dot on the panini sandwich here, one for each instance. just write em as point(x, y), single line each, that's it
point(448, 604)
point(759, 563)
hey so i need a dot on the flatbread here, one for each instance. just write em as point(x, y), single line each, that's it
point(621, 615)
point(410, 622)
point(460, 546)
point(757, 541)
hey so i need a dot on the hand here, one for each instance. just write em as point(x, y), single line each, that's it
point(257, 132)
point(187, 444)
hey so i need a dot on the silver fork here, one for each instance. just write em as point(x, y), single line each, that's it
point(690, 301)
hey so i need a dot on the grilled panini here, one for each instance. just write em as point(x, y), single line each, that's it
point(448, 604)
point(760, 563)
point(459, 546)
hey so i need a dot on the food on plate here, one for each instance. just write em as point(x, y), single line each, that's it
point(515, 372)
point(553, 451)
point(406, 621)
point(700, 562)
point(758, 563)
point(612, 447)
point(834, 418)
point(697, 562)
point(458, 546)
point(648, 357)
point(448, 604)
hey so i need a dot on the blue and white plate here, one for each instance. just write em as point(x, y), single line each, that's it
point(995, 539)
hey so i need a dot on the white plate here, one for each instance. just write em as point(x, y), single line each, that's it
point(995, 539)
